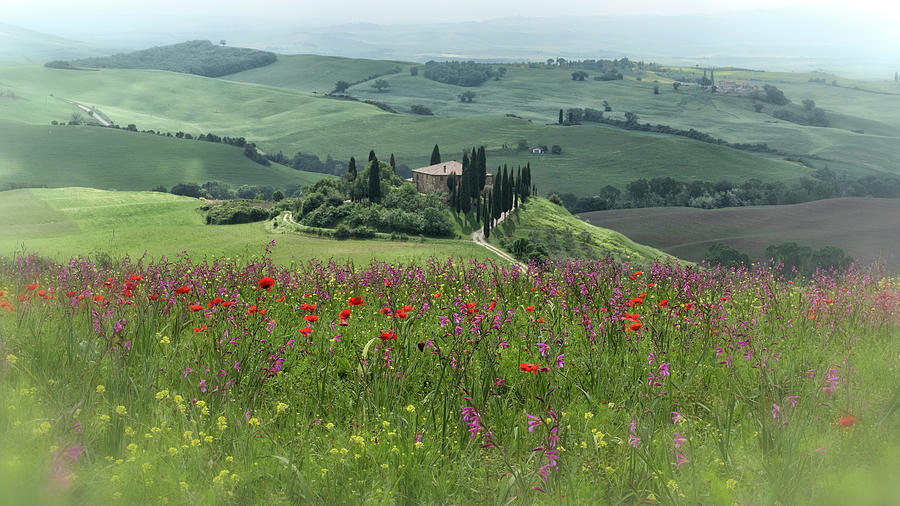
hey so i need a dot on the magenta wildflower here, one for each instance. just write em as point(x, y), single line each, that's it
point(633, 440)
point(203, 385)
point(663, 369)
point(776, 410)
point(543, 348)
point(680, 459)
point(533, 422)
point(651, 358)
point(679, 440)
point(676, 417)
point(473, 420)
point(792, 399)
point(560, 360)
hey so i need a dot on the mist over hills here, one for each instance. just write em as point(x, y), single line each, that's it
point(782, 39)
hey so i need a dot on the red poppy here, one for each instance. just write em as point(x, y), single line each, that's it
point(32, 286)
point(530, 367)
point(635, 302)
point(108, 282)
point(200, 329)
point(136, 277)
point(280, 299)
point(470, 307)
point(305, 331)
point(407, 308)
point(386, 336)
point(689, 305)
point(253, 309)
point(493, 304)
point(540, 320)
point(2, 293)
point(402, 315)
point(387, 283)
point(310, 318)
point(215, 302)
point(266, 284)
point(308, 307)
point(530, 308)
point(663, 303)
point(68, 294)
point(227, 303)
point(181, 290)
point(153, 296)
point(436, 294)
point(355, 301)
point(829, 301)
point(635, 326)
point(847, 421)
point(344, 314)
point(195, 308)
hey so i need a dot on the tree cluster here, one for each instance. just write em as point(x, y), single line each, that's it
point(200, 57)
point(357, 209)
point(309, 163)
point(460, 73)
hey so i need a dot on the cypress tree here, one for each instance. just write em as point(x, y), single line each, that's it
point(451, 184)
point(435, 155)
point(393, 164)
point(371, 155)
point(482, 168)
point(495, 195)
point(505, 190)
point(560, 116)
point(351, 169)
point(466, 188)
point(487, 221)
point(374, 180)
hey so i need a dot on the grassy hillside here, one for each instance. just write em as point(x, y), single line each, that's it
point(59, 156)
point(538, 94)
point(866, 229)
point(290, 120)
point(200, 57)
point(64, 222)
point(565, 236)
point(310, 72)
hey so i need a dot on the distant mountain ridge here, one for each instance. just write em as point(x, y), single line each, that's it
point(23, 45)
point(200, 57)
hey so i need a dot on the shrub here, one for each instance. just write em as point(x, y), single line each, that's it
point(231, 213)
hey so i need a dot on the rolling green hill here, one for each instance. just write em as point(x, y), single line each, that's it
point(200, 57)
point(290, 121)
point(107, 158)
point(866, 229)
point(65, 222)
point(309, 72)
point(539, 221)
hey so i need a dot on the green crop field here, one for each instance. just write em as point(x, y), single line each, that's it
point(310, 72)
point(866, 229)
point(291, 120)
point(58, 156)
point(64, 222)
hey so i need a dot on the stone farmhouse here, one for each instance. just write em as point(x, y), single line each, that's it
point(434, 177)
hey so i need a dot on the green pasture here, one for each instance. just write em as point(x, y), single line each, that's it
point(538, 220)
point(866, 229)
point(290, 120)
point(97, 157)
point(310, 72)
point(65, 222)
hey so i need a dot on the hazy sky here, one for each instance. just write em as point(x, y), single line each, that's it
point(75, 16)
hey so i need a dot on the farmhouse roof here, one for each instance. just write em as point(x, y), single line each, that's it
point(440, 169)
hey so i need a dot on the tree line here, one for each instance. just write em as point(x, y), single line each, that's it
point(200, 57)
point(668, 192)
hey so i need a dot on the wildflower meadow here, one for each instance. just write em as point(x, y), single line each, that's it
point(176, 381)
